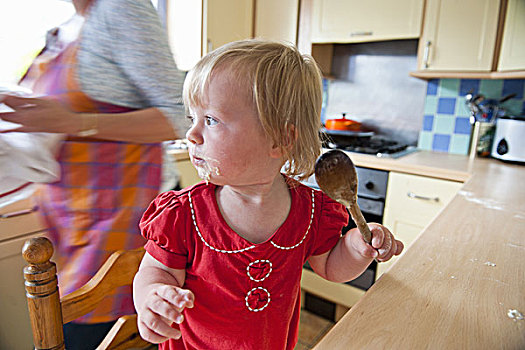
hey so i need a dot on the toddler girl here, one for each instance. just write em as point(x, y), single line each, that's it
point(224, 257)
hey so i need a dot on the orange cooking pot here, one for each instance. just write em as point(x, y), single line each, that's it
point(342, 124)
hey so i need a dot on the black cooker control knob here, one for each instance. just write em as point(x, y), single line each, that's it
point(502, 147)
point(369, 185)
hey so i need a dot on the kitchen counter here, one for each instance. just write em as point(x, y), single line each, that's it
point(457, 284)
point(439, 165)
point(432, 164)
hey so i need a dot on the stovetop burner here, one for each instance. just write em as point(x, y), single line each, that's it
point(376, 145)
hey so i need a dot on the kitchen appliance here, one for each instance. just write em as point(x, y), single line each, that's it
point(371, 194)
point(365, 142)
point(509, 139)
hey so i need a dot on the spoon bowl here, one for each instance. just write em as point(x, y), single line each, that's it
point(336, 176)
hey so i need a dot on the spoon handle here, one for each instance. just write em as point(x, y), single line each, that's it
point(360, 221)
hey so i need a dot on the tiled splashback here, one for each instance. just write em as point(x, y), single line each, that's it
point(446, 126)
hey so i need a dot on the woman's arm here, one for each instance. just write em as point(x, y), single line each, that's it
point(40, 115)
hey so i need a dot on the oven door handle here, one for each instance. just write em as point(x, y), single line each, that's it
point(370, 196)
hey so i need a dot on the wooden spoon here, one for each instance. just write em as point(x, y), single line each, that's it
point(336, 176)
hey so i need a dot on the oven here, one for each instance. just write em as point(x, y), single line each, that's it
point(371, 194)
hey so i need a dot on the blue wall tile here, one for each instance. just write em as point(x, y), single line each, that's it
point(468, 85)
point(446, 126)
point(428, 121)
point(441, 142)
point(425, 140)
point(513, 86)
point(449, 87)
point(432, 87)
point(431, 105)
point(446, 105)
point(459, 143)
point(491, 88)
point(462, 126)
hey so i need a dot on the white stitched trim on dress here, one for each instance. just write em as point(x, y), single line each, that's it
point(307, 230)
point(255, 262)
point(252, 246)
point(248, 295)
point(204, 241)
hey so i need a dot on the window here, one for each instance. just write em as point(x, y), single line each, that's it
point(23, 28)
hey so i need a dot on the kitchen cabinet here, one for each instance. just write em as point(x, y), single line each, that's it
point(459, 35)
point(472, 39)
point(412, 202)
point(18, 222)
point(336, 21)
point(343, 295)
point(512, 55)
point(277, 20)
point(226, 21)
point(197, 27)
point(323, 23)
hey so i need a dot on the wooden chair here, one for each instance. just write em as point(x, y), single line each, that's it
point(48, 312)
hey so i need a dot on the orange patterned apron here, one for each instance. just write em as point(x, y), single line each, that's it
point(104, 188)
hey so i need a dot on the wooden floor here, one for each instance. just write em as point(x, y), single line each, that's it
point(311, 329)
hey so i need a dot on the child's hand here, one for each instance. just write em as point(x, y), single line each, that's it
point(383, 246)
point(163, 305)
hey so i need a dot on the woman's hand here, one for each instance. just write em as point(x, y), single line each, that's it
point(383, 247)
point(39, 115)
point(163, 305)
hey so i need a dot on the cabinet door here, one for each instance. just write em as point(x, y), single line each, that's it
point(277, 20)
point(226, 21)
point(512, 55)
point(412, 202)
point(358, 21)
point(459, 35)
point(197, 27)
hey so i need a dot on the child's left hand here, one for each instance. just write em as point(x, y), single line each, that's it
point(384, 246)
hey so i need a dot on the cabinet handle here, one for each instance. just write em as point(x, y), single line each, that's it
point(18, 213)
point(426, 54)
point(361, 33)
point(416, 196)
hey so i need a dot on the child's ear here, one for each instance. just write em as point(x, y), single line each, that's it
point(286, 144)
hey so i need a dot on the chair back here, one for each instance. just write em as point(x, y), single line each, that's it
point(48, 312)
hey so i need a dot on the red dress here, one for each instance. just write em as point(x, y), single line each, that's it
point(247, 296)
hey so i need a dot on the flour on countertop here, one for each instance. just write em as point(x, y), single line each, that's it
point(487, 203)
point(515, 315)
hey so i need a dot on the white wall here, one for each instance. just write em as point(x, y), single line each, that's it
point(373, 86)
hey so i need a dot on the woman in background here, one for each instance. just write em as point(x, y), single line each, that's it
point(113, 88)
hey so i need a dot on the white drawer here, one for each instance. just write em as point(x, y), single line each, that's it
point(18, 219)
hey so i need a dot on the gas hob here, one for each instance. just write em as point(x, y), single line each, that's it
point(377, 145)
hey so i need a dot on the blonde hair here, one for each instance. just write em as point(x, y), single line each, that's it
point(287, 93)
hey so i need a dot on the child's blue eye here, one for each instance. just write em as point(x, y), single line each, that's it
point(190, 119)
point(211, 121)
